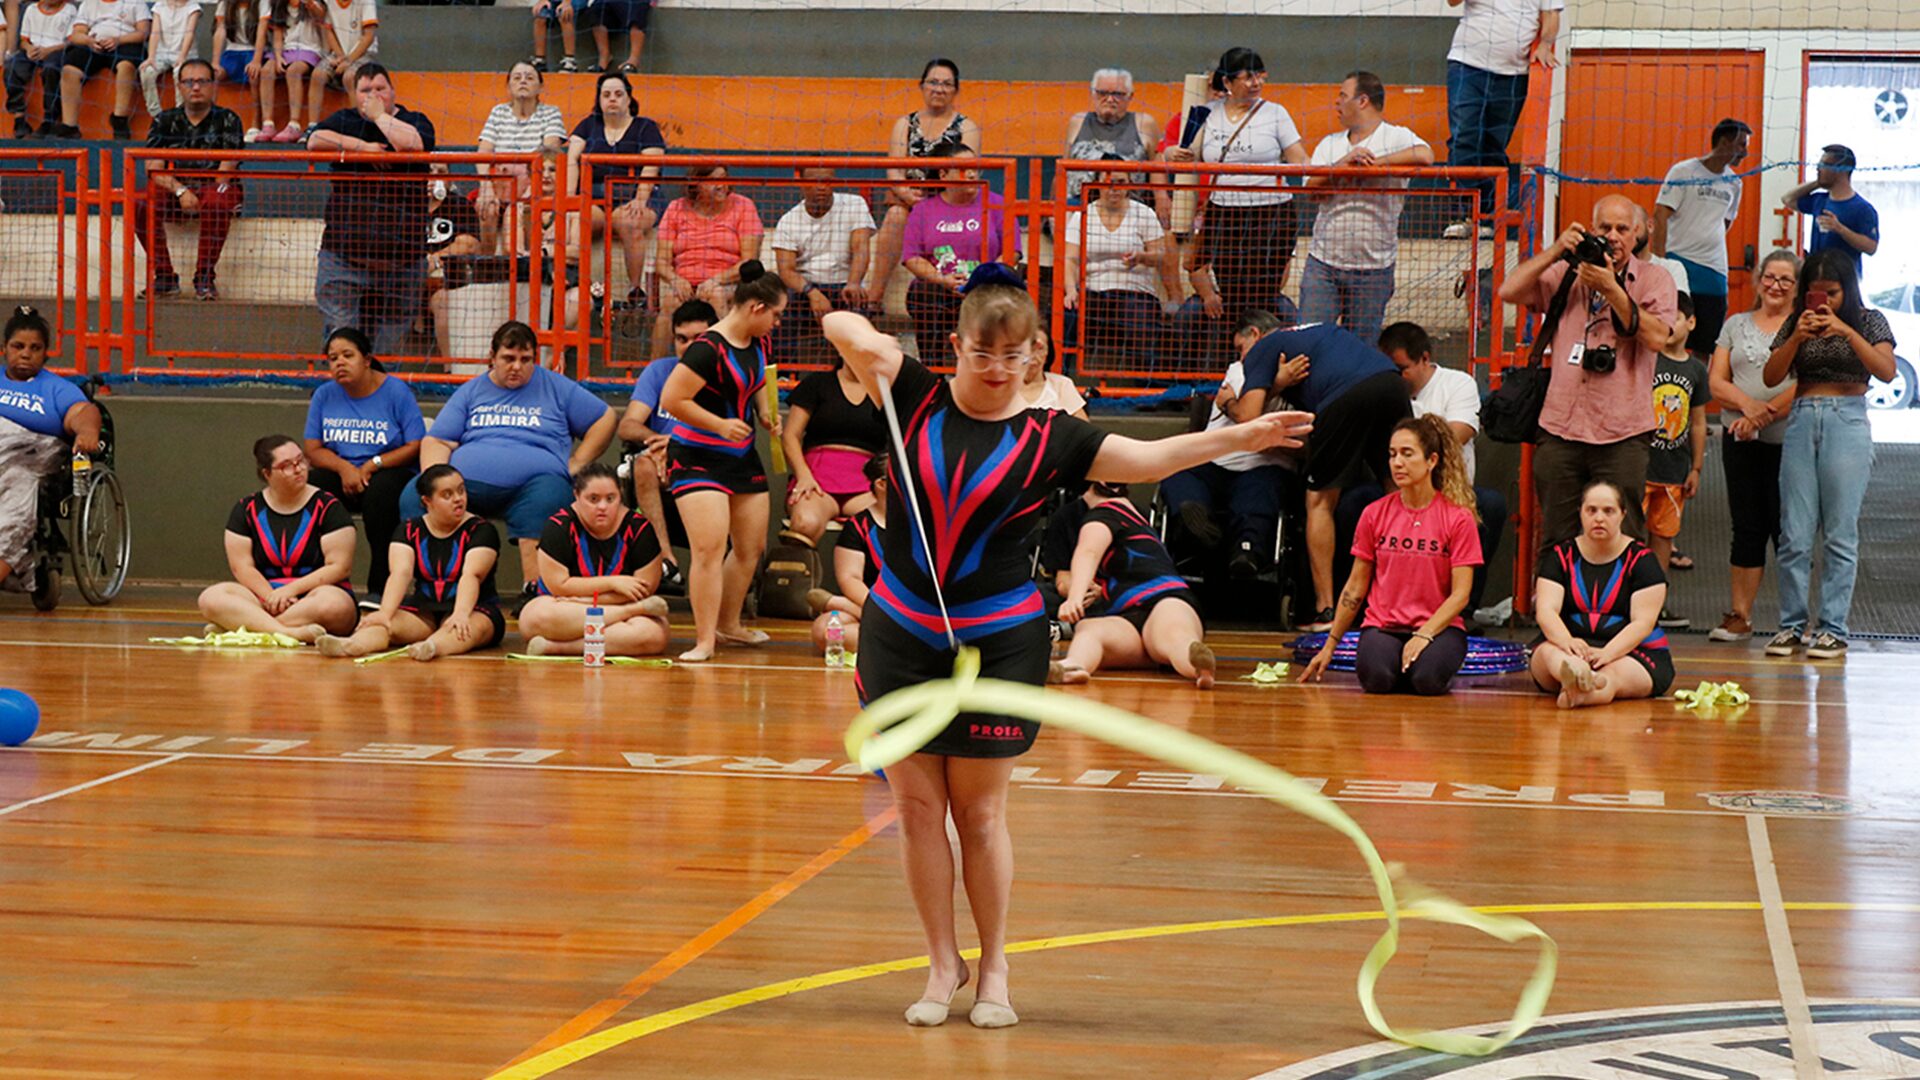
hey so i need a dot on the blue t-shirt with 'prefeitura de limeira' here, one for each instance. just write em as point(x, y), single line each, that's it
point(39, 404)
point(646, 390)
point(1340, 361)
point(507, 437)
point(359, 428)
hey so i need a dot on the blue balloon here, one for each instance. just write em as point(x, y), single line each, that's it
point(19, 717)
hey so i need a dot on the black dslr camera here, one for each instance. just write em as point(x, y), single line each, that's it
point(1590, 249)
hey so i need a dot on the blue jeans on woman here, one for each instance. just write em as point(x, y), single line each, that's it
point(1824, 468)
point(525, 509)
point(1482, 111)
point(1355, 299)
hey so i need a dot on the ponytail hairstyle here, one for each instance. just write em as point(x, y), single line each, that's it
point(1436, 441)
point(997, 306)
point(263, 449)
point(26, 317)
point(759, 286)
point(597, 470)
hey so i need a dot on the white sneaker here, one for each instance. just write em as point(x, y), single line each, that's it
point(1783, 643)
point(1459, 230)
point(253, 135)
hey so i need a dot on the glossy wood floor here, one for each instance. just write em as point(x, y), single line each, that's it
point(290, 867)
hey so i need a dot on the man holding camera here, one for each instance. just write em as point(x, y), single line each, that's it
point(1607, 315)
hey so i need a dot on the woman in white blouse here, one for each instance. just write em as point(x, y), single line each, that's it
point(1132, 273)
point(1248, 231)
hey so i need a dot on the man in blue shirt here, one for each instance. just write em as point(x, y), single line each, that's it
point(1841, 217)
point(1356, 396)
point(643, 427)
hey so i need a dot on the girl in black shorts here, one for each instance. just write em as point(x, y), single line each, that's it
point(597, 549)
point(713, 468)
point(440, 598)
point(1598, 599)
point(1148, 617)
point(290, 547)
point(981, 467)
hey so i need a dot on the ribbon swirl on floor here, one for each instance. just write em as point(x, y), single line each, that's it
point(902, 722)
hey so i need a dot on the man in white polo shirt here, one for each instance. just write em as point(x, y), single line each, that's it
point(1356, 238)
point(820, 250)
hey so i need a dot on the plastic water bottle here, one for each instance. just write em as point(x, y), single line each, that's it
point(593, 643)
point(82, 465)
point(836, 641)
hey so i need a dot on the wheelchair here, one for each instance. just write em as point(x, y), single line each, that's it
point(83, 518)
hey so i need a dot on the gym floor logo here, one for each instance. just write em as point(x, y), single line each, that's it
point(1782, 803)
point(1861, 1040)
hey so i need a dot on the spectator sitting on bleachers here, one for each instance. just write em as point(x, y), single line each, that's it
point(1356, 396)
point(107, 35)
point(646, 426)
point(947, 237)
point(1356, 238)
point(820, 250)
point(522, 124)
point(527, 235)
point(510, 431)
point(1455, 397)
point(613, 17)
point(42, 36)
point(363, 443)
point(920, 133)
point(705, 237)
point(453, 230)
point(39, 413)
point(568, 14)
point(1112, 131)
point(616, 127)
point(1251, 485)
point(236, 39)
point(831, 430)
point(596, 551)
point(168, 43)
point(290, 548)
point(352, 39)
point(296, 30)
point(1127, 256)
point(1043, 388)
point(373, 252)
point(197, 124)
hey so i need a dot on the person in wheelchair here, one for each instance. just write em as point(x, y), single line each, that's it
point(43, 419)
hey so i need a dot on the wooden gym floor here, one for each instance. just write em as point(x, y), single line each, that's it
point(267, 864)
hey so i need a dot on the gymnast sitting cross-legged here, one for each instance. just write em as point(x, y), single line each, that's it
point(597, 549)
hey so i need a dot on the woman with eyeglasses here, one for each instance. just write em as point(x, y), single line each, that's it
point(936, 123)
point(979, 468)
point(1248, 229)
point(290, 548)
point(1832, 345)
point(1750, 448)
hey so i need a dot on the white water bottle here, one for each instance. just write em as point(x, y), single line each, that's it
point(836, 641)
point(593, 643)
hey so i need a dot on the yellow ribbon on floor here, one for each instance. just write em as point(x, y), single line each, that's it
point(622, 661)
point(912, 716)
point(1268, 674)
point(233, 639)
point(379, 656)
point(1711, 695)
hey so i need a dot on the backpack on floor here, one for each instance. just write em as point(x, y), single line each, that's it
point(790, 570)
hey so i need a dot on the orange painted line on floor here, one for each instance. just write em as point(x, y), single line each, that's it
point(702, 943)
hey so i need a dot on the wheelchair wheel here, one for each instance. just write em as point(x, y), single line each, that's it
point(102, 539)
point(46, 586)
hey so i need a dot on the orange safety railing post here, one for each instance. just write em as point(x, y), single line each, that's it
point(1070, 359)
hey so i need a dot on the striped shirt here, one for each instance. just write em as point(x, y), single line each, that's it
point(511, 135)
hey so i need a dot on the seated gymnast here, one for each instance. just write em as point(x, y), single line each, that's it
point(290, 547)
point(1414, 553)
point(1149, 617)
point(440, 598)
point(1598, 600)
point(597, 550)
point(856, 563)
point(831, 431)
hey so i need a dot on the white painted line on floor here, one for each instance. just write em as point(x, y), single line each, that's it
point(62, 793)
point(1786, 967)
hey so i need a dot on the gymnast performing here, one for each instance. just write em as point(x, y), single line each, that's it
point(973, 469)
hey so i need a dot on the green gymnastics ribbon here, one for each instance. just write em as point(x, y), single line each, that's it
point(907, 719)
point(622, 661)
point(1269, 674)
point(1710, 695)
point(379, 656)
point(233, 639)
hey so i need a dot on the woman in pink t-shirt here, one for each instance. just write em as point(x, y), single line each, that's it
point(1413, 557)
point(706, 236)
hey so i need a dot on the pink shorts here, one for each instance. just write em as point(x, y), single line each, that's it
point(840, 472)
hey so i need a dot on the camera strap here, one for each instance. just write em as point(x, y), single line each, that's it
point(1550, 325)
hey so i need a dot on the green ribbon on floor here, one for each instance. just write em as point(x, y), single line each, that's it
point(379, 656)
point(233, 639)
point(907, 719)
point(621, 661)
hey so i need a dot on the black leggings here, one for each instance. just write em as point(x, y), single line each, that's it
point(1377, 661)
point(1753, 498)
point(379, 509)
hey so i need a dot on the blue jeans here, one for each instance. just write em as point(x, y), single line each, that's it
point(1824, 468)
point(378, 297)
point(1482, 110)
point(525, 509)
point(1356, 299)
point(19, 75)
